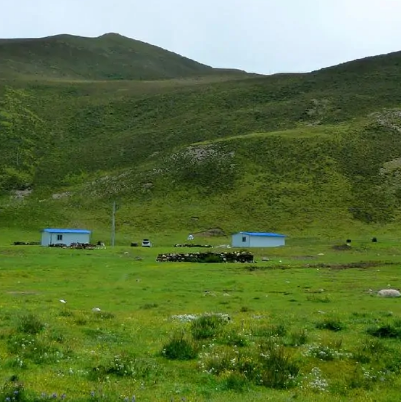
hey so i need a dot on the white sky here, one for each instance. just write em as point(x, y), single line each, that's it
point(264, 36)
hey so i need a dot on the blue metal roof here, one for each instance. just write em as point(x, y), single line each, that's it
point(82, 231)
point(263, 234)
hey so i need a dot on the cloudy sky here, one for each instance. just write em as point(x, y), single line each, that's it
point(264, 36)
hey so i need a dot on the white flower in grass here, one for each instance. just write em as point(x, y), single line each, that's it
point(63, 301)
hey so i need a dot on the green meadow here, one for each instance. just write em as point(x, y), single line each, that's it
point(185, 148)
point(305, 325)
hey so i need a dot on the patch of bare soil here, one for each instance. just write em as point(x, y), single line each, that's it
point(350, 265)
point(214, 232)
point(342, 247)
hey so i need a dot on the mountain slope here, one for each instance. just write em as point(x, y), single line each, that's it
point(109, 56)
point(290, 152)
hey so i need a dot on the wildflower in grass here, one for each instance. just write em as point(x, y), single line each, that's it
point(325, 353)
point(315, 381)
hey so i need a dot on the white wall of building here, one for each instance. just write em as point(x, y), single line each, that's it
point(243, 240)
point(264, 241)
point(240, 240)
point(66, 238)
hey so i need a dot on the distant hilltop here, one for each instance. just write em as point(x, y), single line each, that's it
point(108, 57)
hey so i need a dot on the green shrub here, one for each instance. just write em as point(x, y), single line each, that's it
point(297, 338)
point(330, 324)
point(38, 351)
point(66, 313)
point(207, 326)
point(57, 335)
point(104, 315)
point(385, 331)
point(223, 361)
point(369, 350)
point(180, 348)
point(233, 338)
point(318, 299)
point(16, 362)
point(236, 382)
point(366, 378)
point(13, 391)
point(30, 324)
point(124, 365)
point(270, 331)
point(271, 366)
point(277, 369)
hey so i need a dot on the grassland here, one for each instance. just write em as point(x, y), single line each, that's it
point(184, 148)
point(311, 313)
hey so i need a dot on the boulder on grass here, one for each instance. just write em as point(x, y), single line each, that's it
point(389, 293)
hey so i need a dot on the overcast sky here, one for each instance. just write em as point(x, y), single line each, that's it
point(264, 36)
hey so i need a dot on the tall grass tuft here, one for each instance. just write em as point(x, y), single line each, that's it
point(207, 326)
point(277, 369)
point(124, 365)
point(297, 338)
point(385, 331)
point(331, 324)
point(29, 324)
point(180, 348)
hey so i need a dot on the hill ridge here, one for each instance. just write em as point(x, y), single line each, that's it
point(108, 56)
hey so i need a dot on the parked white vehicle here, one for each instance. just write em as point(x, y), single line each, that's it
point(146, 243)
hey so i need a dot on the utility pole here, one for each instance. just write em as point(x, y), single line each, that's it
point(113, 224)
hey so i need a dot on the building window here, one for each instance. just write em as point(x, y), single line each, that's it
point(243, 239)
point(59, 237)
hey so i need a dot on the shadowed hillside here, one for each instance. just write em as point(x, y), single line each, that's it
point(299, 153)
point(107, 57)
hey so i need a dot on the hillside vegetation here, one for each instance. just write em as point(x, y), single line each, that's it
point(107, 57)
point(300, 153)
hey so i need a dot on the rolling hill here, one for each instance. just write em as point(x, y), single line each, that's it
point(107, 57)
point(305, 154)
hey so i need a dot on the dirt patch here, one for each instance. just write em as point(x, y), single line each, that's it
point(342, 247)
point(214, 232)
point(350, 265)
point(304, 257)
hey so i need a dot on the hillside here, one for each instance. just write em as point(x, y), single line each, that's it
point(107, 57)
point(303, 154)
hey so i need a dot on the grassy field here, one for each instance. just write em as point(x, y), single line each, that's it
point(314, 156)
point(305, 325)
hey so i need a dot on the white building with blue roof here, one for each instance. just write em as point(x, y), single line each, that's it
point(65, 236)
point(257, 239)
